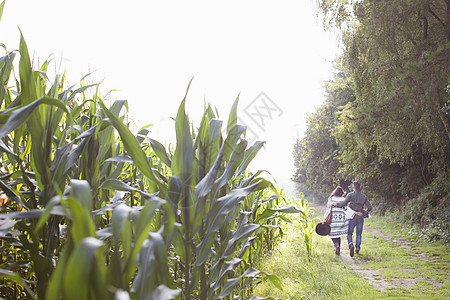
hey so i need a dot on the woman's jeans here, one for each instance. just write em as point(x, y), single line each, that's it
point(358, 223)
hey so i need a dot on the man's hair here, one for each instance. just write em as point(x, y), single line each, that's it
point(356, 185)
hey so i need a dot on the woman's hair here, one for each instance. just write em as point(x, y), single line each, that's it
point(338, 192)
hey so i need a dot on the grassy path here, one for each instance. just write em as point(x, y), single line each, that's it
point(389, 266)
point(402, 268)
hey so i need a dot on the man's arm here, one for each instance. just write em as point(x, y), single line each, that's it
point(344, 203)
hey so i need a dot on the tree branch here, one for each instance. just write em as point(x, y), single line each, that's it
point(425, 27)
point(436, 17)
point(446, 26)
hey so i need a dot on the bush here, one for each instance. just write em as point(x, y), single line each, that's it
point(428, 214)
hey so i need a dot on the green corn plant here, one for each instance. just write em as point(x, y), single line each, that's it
point(306, 223)
point(140, 221)
point(34, 117)
point(205, 193)
point(44, 147)
point(92, 140)
point(213, 188)
point(111, 270)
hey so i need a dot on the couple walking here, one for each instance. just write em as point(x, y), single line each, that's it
point(343, 223)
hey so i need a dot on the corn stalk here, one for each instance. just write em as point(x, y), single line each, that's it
point(100, 212)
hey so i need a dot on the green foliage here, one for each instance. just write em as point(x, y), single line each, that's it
point(94, 211)
point(397, 56)
point(386, 118)
point(429, 213)
point(317, 156)
point(383, 259)
point(307, 224)
point(323, 277)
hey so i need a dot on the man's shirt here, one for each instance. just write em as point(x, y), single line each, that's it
point(357, 201)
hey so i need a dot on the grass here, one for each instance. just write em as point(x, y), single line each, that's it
point(410, 269)
point(322, 278)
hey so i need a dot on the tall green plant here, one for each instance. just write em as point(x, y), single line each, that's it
point(306, 223)
point(33, 118)
point(96, 211)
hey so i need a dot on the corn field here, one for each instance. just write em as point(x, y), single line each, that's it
point(91, 210)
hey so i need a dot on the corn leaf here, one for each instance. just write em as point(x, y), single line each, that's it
point(231, 283)
point(216, 218)
point(6, 225)
point(249, 155)
point(159, 150)
point(242, 233)
point(1, 9)
point(205, 185)
point(120, 215)
point(232, 118)
point(81, 192)
point(47, 212)
point(183, 156)
point(235, 160)
point(227, 268)
point(143, 227)
point(5, 149)
point(274, 279)
point(153, 270)
point(13, 276)
point(77, 278)
point(117, 185)
point(231, 140)
point(13, 195)
point(121, 295)
point(21, 115)
point(132, 146)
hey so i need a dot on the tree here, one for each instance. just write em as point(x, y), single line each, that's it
point(397, 54)
point(317, 154)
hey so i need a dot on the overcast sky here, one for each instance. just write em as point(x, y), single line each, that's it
point(275, 54)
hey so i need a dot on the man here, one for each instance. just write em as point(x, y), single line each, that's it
point(357, 202)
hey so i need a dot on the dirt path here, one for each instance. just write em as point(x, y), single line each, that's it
point(374, 277)
point(359, 265)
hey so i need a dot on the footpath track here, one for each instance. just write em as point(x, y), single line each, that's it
point(374, 276)
point(392, 263)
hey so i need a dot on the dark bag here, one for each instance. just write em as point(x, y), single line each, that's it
point(324, 227)
point(329, 217)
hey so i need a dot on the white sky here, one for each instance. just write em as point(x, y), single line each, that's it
point(149, 50)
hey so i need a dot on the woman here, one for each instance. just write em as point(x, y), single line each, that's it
point(339, 224)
